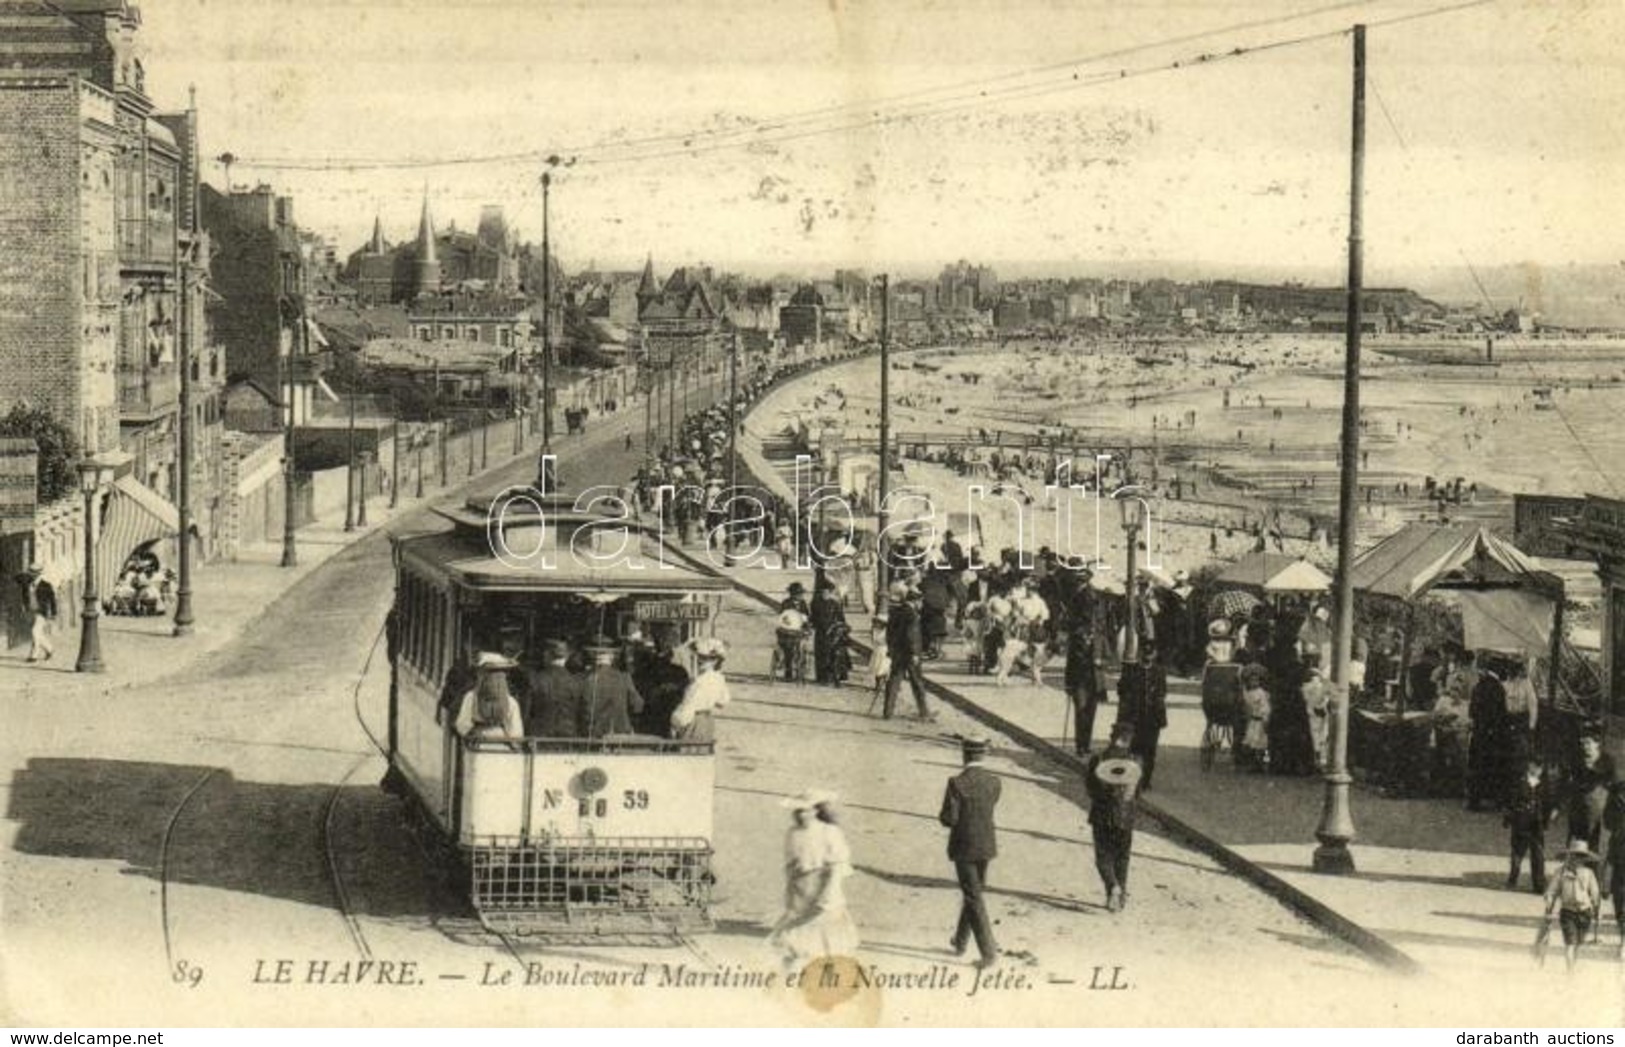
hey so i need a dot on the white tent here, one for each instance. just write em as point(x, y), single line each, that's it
point(1300, 576)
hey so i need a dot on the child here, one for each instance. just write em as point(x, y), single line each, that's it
point(1317, 698)
point(1255, 698)
point(1529, 814)
point(1575, 897)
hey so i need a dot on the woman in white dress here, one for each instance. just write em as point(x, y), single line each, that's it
point(693, 720)
point(817, 861)
point(489, 710)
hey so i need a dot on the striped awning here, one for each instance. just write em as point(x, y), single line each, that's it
point(134, 516)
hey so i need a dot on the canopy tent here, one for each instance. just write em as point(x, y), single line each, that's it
point(1300, 576)
point(1420, 556)
point(134, 516)
point(1508, 604)
point(1256, 569)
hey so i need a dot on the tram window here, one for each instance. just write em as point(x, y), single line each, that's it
point(417, 622)
point(421, 621)
point(409, 622)
point(437, 644)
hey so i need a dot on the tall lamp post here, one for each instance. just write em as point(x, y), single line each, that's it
point(290, 509)
point(361, 488)
point(395, 463)
point(190, 271)
point(882, 569)
point(349, 469)
point(1336, 827)
point(419, 441)
point(93, 476)
point(545, 480)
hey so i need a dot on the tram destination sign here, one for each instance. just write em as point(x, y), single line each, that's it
point(670, 611)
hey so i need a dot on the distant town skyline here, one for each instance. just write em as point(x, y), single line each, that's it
point(904, 135)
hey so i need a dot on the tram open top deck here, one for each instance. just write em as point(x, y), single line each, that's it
point(553, 543)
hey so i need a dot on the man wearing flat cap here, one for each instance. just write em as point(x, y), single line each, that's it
point(967, 811)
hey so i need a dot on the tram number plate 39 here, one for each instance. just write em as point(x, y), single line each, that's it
point(631, 800)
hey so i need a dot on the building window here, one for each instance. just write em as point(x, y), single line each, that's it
point(425, 333)
point(504, 337)
point(448, 333)
point(472, 333)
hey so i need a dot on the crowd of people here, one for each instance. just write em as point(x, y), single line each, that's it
point(603, 687)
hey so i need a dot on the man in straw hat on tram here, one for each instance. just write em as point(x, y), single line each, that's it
point(967, 811)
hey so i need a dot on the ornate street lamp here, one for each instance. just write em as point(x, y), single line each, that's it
point(93, 476)
point(1133, 512)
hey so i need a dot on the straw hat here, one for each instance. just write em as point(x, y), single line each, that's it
point(974, 746)
point(710, 647)
point(808, 799)
point(1579, 849)
point(601, 644)
point(490, 661)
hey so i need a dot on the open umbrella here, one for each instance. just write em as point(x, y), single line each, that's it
point(1230, 603)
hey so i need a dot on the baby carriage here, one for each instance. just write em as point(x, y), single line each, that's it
point(1222, 706)
point(840, 655)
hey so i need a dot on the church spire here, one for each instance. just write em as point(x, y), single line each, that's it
point(376, 245)
point(428, 263)
point(647, 288)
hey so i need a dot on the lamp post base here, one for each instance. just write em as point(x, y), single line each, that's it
point(1333, 858)
point(90, 644)
point(183, 613)
point(1336, 829)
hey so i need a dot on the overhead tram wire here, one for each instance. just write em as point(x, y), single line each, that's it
point(784, 120)
point(781, 129)
point(1484, 296)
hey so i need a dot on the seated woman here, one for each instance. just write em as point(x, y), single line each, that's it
point(489, 710)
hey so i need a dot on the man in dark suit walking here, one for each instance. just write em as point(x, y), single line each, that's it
point(967, 811)
point(1142, 694)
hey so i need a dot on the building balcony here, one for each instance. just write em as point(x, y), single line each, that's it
point(148, 394)
point(144, 244)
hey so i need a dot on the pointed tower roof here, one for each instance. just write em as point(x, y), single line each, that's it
point(376, 245)
point(647, 288)
point(425, 241)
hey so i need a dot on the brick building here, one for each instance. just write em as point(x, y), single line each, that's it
point(95, 216)
point(255, 263)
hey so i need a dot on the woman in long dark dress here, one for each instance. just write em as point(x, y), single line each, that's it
point(1292, 745)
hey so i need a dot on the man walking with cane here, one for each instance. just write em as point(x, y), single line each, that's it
point(967, 811)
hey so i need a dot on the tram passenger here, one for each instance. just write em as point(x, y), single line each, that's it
point(556, 706)
point(611, 697)
point(489, 710)
point(662, 682)
point(693, 719)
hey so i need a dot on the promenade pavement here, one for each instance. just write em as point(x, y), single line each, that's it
point(1429, 891)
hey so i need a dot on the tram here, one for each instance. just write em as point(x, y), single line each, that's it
point(551, 835)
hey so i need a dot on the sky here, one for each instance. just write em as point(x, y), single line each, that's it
point(1036, 135)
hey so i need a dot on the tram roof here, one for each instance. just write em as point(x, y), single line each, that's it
point(548, 546)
